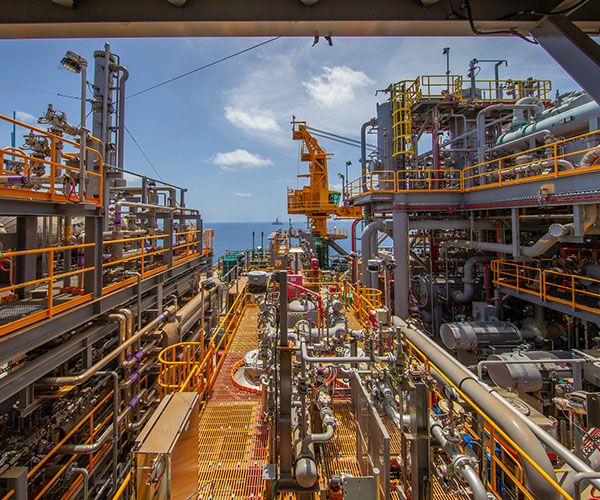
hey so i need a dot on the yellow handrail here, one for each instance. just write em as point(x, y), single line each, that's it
point(547, 284)
point(187, 366)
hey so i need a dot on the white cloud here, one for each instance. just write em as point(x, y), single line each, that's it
point(243, 195)
point(240, 159)
point(336, 86)
point(132, 179)
point(25, 117)
point(261, 121)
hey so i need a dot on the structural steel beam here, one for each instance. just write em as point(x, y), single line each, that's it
point(131, 18)
point(575, 51)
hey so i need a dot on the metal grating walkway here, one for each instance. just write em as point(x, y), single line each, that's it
point(232, 444)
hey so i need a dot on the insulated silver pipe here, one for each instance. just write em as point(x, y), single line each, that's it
point(555, 232)
point(460, 461)
point(515, 429)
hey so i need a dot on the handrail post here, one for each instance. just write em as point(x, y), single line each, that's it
point(50, 280)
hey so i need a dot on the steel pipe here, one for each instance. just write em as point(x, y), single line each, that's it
point(513, 428)
point(96, 367)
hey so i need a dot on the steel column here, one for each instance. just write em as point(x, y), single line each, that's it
point(285, 384)
point(401, 273)
point(575, 51)
point(92, 282)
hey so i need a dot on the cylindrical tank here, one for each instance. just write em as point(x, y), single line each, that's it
point(525, 377)
point(468, 336)
point(569, 119)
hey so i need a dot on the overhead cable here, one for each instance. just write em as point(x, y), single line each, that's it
point(39, 90)
point(338, 138)
point(202, 67)
point(144, 154)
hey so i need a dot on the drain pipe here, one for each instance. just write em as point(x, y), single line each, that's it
point(460, 461)
point(366, 250)
point(354, 254)
point(467, 294)
point(515, 429)
point(139, 295)
point(363, 150)
point(122, 320)
point(85, 474)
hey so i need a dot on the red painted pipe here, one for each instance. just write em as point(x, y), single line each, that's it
point(318, 295)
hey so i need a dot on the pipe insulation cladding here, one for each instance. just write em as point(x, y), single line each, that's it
point(514, 428)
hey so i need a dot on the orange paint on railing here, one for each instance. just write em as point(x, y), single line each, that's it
point(489, 174)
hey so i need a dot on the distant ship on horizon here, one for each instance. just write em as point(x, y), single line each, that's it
point(277, 222)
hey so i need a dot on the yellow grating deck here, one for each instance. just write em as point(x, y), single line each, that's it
point(232, 445)
point(245, 339)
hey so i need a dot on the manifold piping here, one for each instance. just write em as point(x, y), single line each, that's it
point(515, 429)
point(86, 375)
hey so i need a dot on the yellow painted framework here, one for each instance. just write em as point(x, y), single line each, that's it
point(316, 201)
point(405, 94)
point(188, 367)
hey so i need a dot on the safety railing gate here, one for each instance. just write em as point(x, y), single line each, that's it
point(372, 439)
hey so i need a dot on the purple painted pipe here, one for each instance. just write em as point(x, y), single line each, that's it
point(133, 402)
point(16, 179)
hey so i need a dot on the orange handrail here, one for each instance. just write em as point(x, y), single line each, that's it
point(549, 161)
point(42, 186)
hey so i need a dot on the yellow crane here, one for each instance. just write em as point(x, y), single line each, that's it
point(316, 201)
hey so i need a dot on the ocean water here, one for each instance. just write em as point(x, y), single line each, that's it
point(238, 235)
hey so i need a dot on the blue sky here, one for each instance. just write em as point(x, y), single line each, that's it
point(225, 132)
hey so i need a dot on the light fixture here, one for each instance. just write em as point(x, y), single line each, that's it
point(177, 3)
point(73, 62)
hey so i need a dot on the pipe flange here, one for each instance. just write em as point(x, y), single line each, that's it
point(461, 461)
